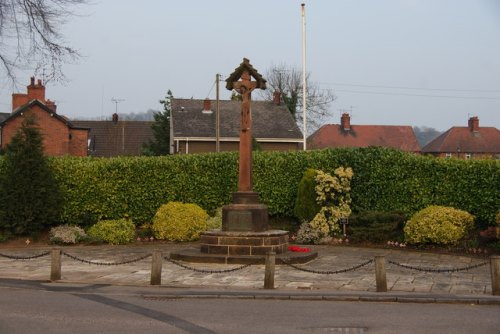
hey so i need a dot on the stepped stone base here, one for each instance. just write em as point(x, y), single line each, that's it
point(195, 256)
point(232, 247)
point(231, 243)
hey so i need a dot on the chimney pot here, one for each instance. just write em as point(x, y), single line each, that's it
point(277, 98)
point(474, 124)
point(32, 81)
point(114, 118)
point(207, 107)
point(345, 122)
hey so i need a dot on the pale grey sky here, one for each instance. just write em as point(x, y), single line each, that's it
point(397, 62)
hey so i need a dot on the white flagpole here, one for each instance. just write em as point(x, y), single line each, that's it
point(304, 84)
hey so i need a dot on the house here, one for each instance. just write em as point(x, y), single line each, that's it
point(60, 135)
point(347, 135)
point(193, 126)
point(471, 142)
point(117, 138)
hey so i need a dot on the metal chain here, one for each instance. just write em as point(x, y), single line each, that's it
point(15, 257)
point(327, 272)
point(452, 270)
point(106, 263)
point(206, 271)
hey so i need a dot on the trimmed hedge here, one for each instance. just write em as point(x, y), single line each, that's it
point(384, 180)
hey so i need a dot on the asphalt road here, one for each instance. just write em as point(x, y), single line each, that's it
point(43, 308)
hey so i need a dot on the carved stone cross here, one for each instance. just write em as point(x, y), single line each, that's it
point(245, 72)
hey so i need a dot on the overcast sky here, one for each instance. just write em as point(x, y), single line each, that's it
point(397, 62)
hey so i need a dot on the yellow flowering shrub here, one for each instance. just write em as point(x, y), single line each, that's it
point(178, 221)
point(114, 232)
point(333, 195)
point(439, 225)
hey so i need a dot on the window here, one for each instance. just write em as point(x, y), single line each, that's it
point(448, 155)
point(468, 156)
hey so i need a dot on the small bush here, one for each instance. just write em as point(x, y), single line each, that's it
point(177, 221)
point(306, 205)
point(66, 234)
point(376, 226)
point(438, 225)
point(215, 222)
point(114, 232)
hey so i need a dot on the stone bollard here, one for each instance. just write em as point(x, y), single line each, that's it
point(55, 268)
point(269, 273)
point(156, 264)
point(380, 273)
point(495, 275)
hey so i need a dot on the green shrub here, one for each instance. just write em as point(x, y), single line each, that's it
point(306, 205)
point(66, 234)
point(438, 225)
point(376, 226)
point(215, 222)
point(384, 180)
point(177, 221)
point(333, 196)
point(30, 198)
point(114, 232)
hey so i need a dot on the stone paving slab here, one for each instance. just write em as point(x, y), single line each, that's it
point(330, 258)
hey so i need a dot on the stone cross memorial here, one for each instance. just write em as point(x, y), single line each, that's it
point(245, 236)
point(246, 213)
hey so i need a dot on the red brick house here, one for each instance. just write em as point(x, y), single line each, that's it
point(60, 136)
point(193, 126)
point(470, 142)
point(347, 135)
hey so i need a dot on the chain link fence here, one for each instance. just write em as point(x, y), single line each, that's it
point(439, 270)
point(107, 263)
point(340, 271)
point(29, 257)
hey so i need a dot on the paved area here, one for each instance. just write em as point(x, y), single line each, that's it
point(476, 281)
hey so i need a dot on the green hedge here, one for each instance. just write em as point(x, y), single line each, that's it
point(384, 180)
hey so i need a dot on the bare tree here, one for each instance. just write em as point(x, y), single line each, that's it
point(288, 80)
point(30, 36)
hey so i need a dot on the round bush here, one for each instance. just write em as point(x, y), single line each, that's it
point(177, 221)
point(114, 232)
point(438, 225)
point(66, 234)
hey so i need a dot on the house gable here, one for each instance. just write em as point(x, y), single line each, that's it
point(60, 137)
point(460, 141)
point(273, 125)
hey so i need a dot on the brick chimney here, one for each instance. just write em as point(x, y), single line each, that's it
point(474, 124)
point(51, 104)
point(207, 107)
point(345, 122)
point(35, 92)
point(277, 97)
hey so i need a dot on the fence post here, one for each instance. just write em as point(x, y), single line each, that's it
point(55, 268)
point(269, 273)
point(380, 273)
point(495, 275)
point(156, 263)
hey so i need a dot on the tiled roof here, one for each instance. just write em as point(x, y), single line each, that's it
point(485, 140)
point(270, 121)
point(332, 135)
point(108, 138)
point(44, 107)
